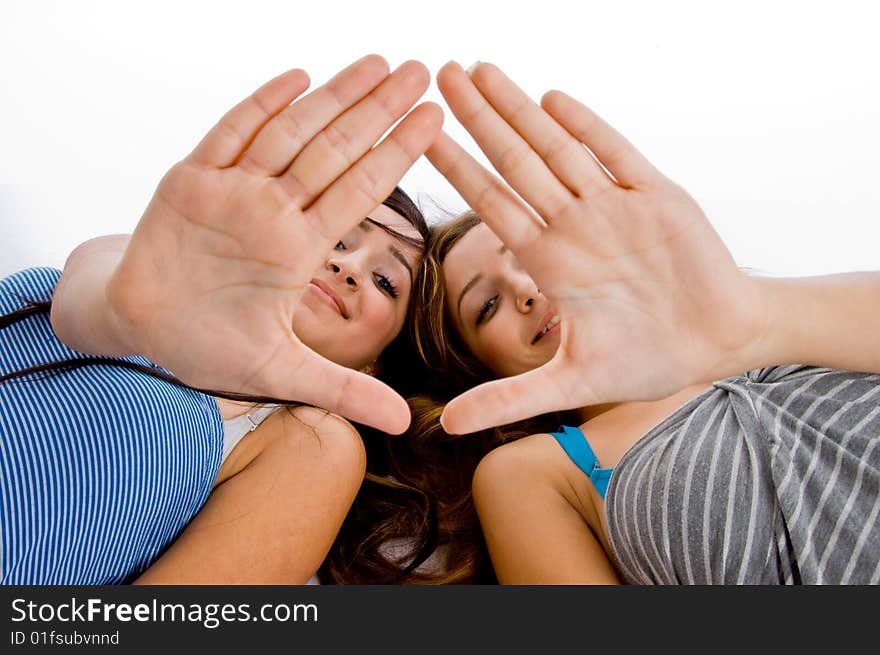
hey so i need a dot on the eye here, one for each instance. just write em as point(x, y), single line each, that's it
point(339, 246)
point(386, 285)
point(487, 310)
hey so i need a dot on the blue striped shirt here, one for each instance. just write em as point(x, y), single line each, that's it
point(100, 467)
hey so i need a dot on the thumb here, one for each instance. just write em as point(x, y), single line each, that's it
point(511, 399)
point(351, 394)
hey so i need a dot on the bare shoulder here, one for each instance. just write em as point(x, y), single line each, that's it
point(304, 423)
point(292, 430)
point(535, 456)
point(540, 460)
point(315, 419)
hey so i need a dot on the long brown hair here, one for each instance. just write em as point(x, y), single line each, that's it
point(428, 459)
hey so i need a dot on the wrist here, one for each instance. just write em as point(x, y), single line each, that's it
point(114, 325)
point(795, 318)
point(82, 315)
point(761, 322)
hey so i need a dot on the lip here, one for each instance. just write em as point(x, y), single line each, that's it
point(540, 334)
point(329, 296)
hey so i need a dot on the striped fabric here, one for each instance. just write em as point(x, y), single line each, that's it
point(772, 477)
point(100, 467)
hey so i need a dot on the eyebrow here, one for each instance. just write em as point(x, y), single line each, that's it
point(467, 287)
point(395, 252)
point(476, 278)
point(399, 257)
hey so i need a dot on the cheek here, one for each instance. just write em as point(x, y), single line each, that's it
point(497, 343)
point(382, 318)
point(497, 348)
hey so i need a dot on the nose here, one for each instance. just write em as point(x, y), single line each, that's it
point(524, 304)
point(344, 271)
point(526, 294)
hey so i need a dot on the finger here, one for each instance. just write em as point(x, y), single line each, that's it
point(335, 148)
point(372, 179)
point(563, 154)
point(285, 135)
point(505, 401)
point(354, 395)
point(224, 143)
point(511, 156)
point(629, 167)
point(502, 211)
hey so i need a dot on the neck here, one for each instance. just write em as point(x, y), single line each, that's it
point(647, 409)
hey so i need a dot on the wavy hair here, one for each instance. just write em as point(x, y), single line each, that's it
point(427, 458)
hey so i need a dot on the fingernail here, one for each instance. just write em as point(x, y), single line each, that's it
point(471, 68)
point(443, 423)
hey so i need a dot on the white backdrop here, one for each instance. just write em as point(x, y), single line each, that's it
point(765, 111)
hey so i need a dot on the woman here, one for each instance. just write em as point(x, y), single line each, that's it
point(111, 474)
point(727, 466)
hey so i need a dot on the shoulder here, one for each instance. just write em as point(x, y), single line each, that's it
point(28, 285)
point(306, 418)
point(537, 455)
point(305, 427)
point(295, 432)
point(531, 464)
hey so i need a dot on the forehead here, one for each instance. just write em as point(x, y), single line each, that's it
point(471, 254)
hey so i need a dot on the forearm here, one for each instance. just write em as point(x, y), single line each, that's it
point(831, 320)
point(81, 315)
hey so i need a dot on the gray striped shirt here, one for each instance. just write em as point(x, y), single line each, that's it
point(772, 477)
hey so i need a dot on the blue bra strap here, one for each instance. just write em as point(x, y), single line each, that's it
point(575, 444)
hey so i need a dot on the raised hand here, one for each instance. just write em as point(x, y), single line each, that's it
point(210, 280)
point(650, 298)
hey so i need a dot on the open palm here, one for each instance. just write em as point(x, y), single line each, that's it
point(211, 278)
point(651, 299)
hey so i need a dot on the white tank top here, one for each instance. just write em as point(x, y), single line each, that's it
point(237, 428)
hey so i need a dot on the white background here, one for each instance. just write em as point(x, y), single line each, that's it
point(767, 112)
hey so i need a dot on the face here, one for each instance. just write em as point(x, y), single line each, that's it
point(496, 308)
point(355, 305)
